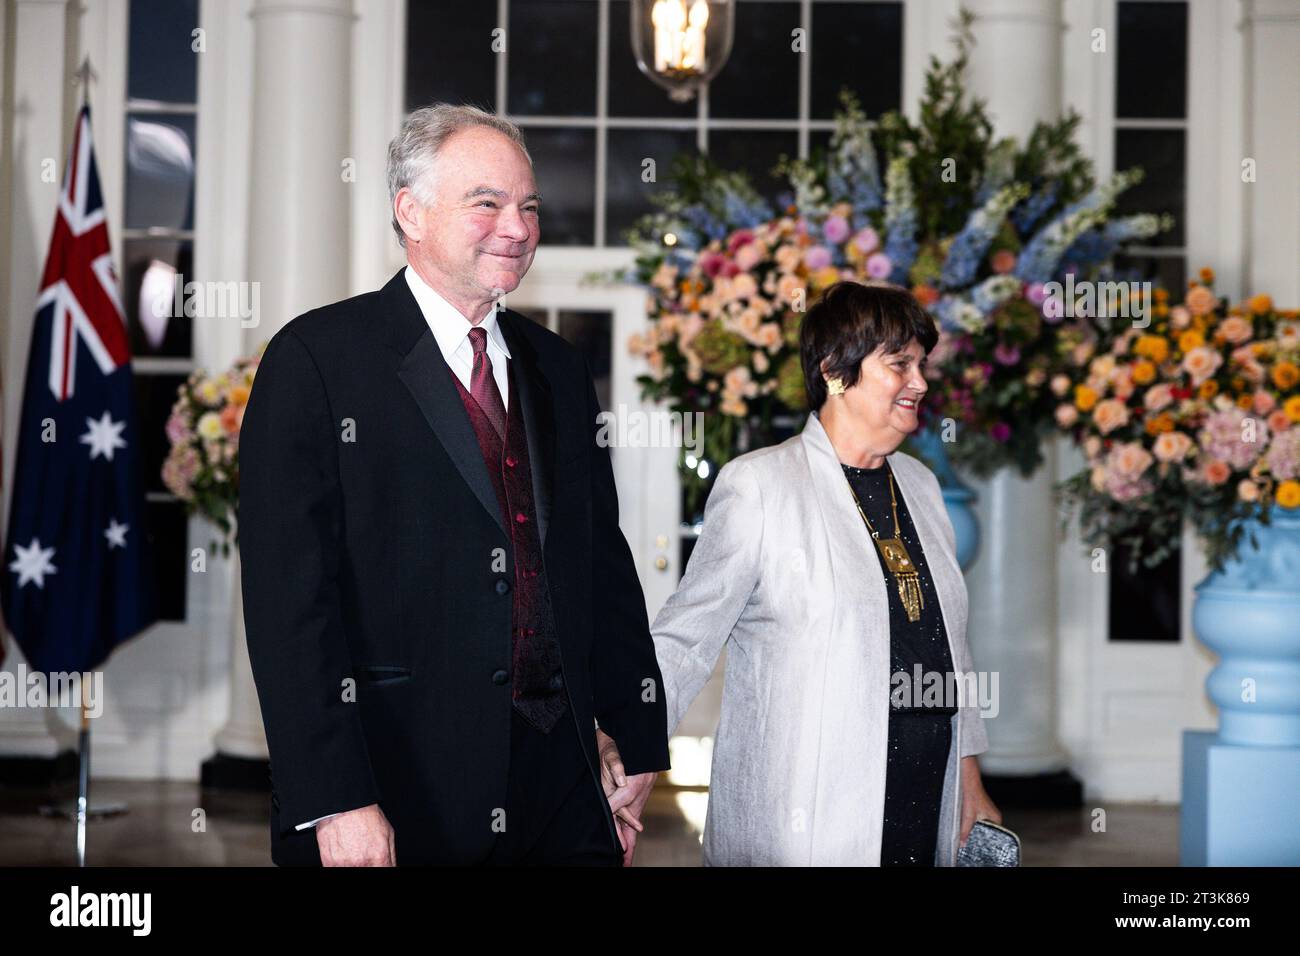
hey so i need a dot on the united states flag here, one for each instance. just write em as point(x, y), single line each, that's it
point(77, 579)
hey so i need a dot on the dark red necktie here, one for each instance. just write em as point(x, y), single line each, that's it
point(483, 384)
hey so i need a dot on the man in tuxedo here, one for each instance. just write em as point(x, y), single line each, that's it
point(439, 603)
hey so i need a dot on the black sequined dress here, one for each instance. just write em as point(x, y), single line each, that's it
point(920, 735)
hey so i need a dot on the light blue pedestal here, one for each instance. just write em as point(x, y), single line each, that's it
point(1241, 784)
point(1240, 804)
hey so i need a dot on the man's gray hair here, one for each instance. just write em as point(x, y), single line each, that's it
point(413, 151)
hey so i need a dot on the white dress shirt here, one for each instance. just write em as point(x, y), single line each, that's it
point(451, 331)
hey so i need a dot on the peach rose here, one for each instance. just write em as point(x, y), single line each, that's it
point(1216, 472)
point(1201, 362)
point(1060, 385)
point(1179, 317)
point(1263, 403)
point(1130, 460)
point(1236, 329)
point(1278, 421)
point(1066, 415)
point(1247, 490)
point(1200, 300)
point(1110, 415)
point(1158, 396)
point(1172, 446)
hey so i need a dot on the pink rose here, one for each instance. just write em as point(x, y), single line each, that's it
point(1110, 415)
point(1157, 397)
point(1263, 403)
point(1201, 362)
point(1066, 415)
point(1216, 472)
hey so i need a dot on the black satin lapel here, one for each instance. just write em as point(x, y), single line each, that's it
point(538, 409)
point(425, 374)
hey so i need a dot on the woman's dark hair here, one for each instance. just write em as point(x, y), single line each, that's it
point(848, 323)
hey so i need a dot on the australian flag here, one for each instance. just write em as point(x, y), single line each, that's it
point(77, 579)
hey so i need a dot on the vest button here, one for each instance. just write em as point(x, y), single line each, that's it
point(502, 585)
point(510, 461)
point(500, 677)
point(521, 518)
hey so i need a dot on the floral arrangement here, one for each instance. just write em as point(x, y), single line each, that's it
point(202, 467)
point(975, 228)
point(1195, 417)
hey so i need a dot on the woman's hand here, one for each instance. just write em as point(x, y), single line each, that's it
point(975, 802)
point(627, 795)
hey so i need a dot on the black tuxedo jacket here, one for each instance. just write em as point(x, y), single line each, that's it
point(377, 576)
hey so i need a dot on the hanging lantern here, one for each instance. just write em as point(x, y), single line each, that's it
point(682, 44)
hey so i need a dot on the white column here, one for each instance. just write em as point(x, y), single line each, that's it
point(32, 174)
point(1273, 140)
point(1015, 67)
point(298, 220)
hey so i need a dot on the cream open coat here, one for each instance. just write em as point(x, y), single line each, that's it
point(786, 576)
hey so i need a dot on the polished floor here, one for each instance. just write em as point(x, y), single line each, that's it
point(176, 824)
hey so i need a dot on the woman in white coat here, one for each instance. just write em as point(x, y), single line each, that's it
point(827, 568)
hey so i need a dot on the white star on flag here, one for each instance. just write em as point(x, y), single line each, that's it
point(104, 436)
point(116, 534)
point(33, 563)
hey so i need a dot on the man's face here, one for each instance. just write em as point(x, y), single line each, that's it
point(481, 231)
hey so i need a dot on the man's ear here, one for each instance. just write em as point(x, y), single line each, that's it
point(406, 209)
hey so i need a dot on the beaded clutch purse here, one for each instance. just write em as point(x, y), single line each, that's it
point(989, 845)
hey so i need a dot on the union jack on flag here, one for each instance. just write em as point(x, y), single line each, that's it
point(77, 579)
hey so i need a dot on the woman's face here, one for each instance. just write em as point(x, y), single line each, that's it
point(885, 401)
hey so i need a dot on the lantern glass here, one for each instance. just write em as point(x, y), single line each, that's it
point(682, 44)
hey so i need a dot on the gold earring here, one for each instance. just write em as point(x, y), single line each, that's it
point(835, 386)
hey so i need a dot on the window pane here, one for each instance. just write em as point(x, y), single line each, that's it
point(1162, 154)
point(858, 45)
point(631, 92)
point(449, 56)
point(1151, 68)
point(159, 171)
point(589, 332)
point(761, 78)
point(168, 531)
point(152, 268)
point(154, 397)
point(564, 161)
point(1144, 606)
point(756, 152)
point(161, 62)
point(552, 58)
point(626, 196)
point(1170, 272)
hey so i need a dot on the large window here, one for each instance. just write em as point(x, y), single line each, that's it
point(158, 250)
point(1151, 127)
point(567, 76)
point(1151, 132)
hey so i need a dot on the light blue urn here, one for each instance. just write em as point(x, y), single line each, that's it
point(959, 499)
point(1241, 785)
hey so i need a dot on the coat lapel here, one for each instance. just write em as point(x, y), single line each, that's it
point(424, 372)
point(538, 409)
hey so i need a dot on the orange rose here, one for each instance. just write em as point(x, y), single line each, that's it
point(1291, 408)
point(1209, 389)
point(1288, 494)
point(1207, 275)
point(1084, 398)
point(1160, 424)
point(1260, 304)
point(1285, 375)
point(1216, 472)
point(1189, 340)
point(1144, 373)
point(1154, 347)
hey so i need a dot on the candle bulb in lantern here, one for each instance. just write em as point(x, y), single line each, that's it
point(693, 55)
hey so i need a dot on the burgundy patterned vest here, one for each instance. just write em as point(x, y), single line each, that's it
point(538, 684)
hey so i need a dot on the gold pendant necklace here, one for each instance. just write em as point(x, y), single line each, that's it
point(896, 557)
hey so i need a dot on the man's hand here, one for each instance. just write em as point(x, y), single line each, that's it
point(361, 837)
point(627, 795)
point(975, 802)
